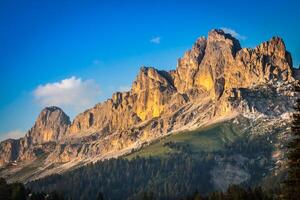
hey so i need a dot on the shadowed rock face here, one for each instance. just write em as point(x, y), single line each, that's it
point(205, 85)
point(50, 126)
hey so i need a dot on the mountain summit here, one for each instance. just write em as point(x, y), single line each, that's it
point(216, 80)
point(51, 125)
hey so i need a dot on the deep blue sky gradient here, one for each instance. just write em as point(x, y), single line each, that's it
point(47, 41)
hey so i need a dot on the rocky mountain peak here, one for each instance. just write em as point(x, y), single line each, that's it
point(188, 66)
point(50, 125)
point(152, 88)
point(268, 62)
point(207, 79)
point(219, 63)
point(274, 47)
point(150, 77)
point(224, 40)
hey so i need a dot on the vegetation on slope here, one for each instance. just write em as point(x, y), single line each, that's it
point(291, 189)
point(208, 139)
point(17, 191)
point(167, 175)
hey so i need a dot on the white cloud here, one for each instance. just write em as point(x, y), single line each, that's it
point(155, 40)
point(15, 134)
point(72, 92)
point(233, 33)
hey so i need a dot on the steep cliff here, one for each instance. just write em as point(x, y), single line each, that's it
point(50, 126)
point(215, 80)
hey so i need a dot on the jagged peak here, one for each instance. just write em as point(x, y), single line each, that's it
point(52, 109)
point(50, 125)
point(48, 111)
point(153, 74)
point(146, 69)
point(197, 50)
point(218, 35)
point(278, 41)
point(274, 46)
point(200, 43)
point(207, 72)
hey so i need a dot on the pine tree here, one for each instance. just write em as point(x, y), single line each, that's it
point(291, 188)
point(18, 191)
point(100, 196)
point(4, 189)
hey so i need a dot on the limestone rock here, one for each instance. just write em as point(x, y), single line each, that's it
point(152, 91)
point(269, 62)
point(188, 66)
point(51, 125)
point(107, 117)
point(8, 151)
point(218, 59)
point(215, 79)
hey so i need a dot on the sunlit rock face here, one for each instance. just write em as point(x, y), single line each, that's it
point(213, 66)
point(219, 63)
point(107, 117)
point(188, 66)
point(269, 62)
point(152, 90)
point(51, 125)
point(213, 80)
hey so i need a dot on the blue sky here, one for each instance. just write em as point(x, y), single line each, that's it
point(52, 52)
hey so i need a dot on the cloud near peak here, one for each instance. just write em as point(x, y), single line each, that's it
point(71, 92)
point(14, 134)
point(233, 33)
point(155, 40)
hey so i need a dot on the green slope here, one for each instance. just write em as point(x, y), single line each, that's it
point(208, 139)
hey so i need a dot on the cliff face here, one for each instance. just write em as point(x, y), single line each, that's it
point(219, 64)
point(51, 125)
point(149, 97)
point(213, 65)
point(215, 79)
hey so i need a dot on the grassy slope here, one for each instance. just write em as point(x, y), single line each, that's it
point(23, 172)
point(207, 139)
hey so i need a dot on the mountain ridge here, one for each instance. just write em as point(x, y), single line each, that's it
point(216, 79)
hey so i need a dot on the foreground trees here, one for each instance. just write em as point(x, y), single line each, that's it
point(17, 191)
point(234, 192)
point(169, 177)
point(291, 189)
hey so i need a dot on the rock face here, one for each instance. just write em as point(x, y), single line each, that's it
point(219, 56)
point(149, 97)
point(188, 66)
point(215, 79)
point(269, 62)
point(152, 90)
point(219, 63)
point(51, 125)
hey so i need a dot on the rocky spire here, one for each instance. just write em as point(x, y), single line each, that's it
point(50, 125)
point(152, 89)
point(188, 66)
point(218, 63)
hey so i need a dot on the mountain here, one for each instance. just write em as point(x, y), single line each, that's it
point(216, 81)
